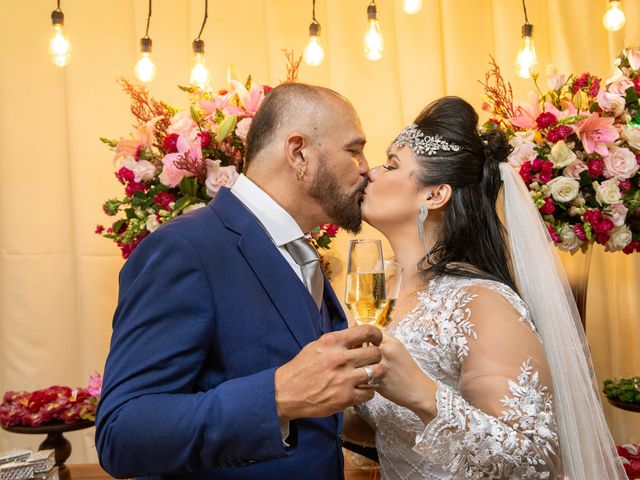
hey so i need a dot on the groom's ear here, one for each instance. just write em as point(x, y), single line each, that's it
point(437, 196)
point(295, 147)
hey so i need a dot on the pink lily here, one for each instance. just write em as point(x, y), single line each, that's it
point(527, 112)
point(171, 175)
point(221, 102)
point(144, 138)
point(250, 99)
point(595, 131)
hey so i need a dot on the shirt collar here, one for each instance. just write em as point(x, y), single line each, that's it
point(280, 226)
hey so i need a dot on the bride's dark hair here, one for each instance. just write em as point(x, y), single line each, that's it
point(472, 242)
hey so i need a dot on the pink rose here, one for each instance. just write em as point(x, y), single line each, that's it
point(633, 55)
point(619, 83)
point(523, 149)
point(143, 170)
point(242, 128)
point(182, 124)
point(620, 164)
point(611, 102)
point(618, 214)
point(575, 169)
point(218, 177)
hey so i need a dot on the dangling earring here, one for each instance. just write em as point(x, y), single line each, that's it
point(301, 173)
point(422, 216)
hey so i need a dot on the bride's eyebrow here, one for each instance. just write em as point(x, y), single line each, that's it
point(394, 156)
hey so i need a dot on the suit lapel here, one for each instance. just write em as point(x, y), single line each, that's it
point(272, 270)
point(333, 305)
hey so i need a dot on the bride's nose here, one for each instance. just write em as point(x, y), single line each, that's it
point(373, 173)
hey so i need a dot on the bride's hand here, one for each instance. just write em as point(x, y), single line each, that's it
point(405, 383)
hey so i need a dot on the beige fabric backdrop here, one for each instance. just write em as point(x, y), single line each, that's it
point(58, 280)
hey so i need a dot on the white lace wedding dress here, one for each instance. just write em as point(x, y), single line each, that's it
point(495, 413)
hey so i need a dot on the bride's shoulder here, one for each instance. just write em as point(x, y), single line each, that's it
point(481, 296)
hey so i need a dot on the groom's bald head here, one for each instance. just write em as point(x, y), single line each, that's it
point(293, 106)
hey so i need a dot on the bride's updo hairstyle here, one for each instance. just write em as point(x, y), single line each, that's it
point(472, 242)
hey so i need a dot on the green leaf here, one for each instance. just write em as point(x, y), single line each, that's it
point(181, 203)
point(226, 127)
point(631, 95)
point(131, 213)
point(324, 241)
point(189, 186)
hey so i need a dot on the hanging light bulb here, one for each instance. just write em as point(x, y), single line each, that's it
point(313, 52)
point(373, 41)
point(200, 72)
point(145, 69)
point(411, 6)
point(614, 19)
point(526, 59)
point(59, 46)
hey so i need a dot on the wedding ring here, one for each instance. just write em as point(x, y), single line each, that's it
point(369, 372)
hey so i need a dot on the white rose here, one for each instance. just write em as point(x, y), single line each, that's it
point(619, 238)
point(570, 242)
point(152, 223)
point(631, 135)
point(182, 124)
point(523, 149)
point(611, 102)
point(607, 192)
point(193, 207)
point(142, 169)
point(633, 55)
point(620, 164)
point(618, 83)
point(242, 128)
point(561, 155)
point(619, 214)
point(564, 189)
point(575, 169)
point(218, 177)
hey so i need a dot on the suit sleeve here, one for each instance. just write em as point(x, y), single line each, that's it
point(151, 419)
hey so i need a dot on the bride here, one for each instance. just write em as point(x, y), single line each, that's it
point(488, 372)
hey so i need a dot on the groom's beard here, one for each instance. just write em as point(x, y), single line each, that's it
point(343, 208)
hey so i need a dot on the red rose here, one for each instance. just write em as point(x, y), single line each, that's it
point(330, 229)
point(545, 172)
point(170, 143)
point(580, 82)
point(548, 208)
point(138, 152)
point(596, 167)
point(536, 165)
point(636, 84)
point(634, 246)
point(205, 139)
point(602, 238)
point(638, 156)
point(625, 185)
point(133, 187)
point(559, 133)
point(266, 89)
point(592, 216)
point(163, 199)
point(595, 87)
point(546, 119)
point(99, 229)
point(603, 226)
point(125, 175)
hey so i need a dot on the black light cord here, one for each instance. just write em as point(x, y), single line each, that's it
point(524, 7)
point(314, 12)
point(206, 15)
point(146, 32)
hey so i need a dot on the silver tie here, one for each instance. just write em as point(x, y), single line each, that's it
point(306, 256)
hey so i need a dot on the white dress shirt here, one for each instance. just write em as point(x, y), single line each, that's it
point(280, 226)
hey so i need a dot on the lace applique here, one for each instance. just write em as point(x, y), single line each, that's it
point(471, 443)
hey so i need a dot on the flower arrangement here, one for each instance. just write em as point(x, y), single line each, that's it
point(625, 390)
point(50, 405)
point(577, 148)
point(630, 456)
point(177, 161)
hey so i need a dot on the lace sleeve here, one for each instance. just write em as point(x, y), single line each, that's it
point(498, 422)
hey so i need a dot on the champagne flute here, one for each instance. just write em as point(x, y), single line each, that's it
point(365, 293)
point(392, 281)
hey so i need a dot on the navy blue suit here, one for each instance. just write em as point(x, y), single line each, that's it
point(208, 309)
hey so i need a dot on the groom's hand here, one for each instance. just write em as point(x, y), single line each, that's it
point(324, 377)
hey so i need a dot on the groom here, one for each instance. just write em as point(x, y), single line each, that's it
point(229, 358)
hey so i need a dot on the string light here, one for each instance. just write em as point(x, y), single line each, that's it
point(526, 58)
point(200, 72)
point(614, 19)
point(313, 52)
point(59, 45)
point(411, 6)
point(373, 41)
point(145, 69)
